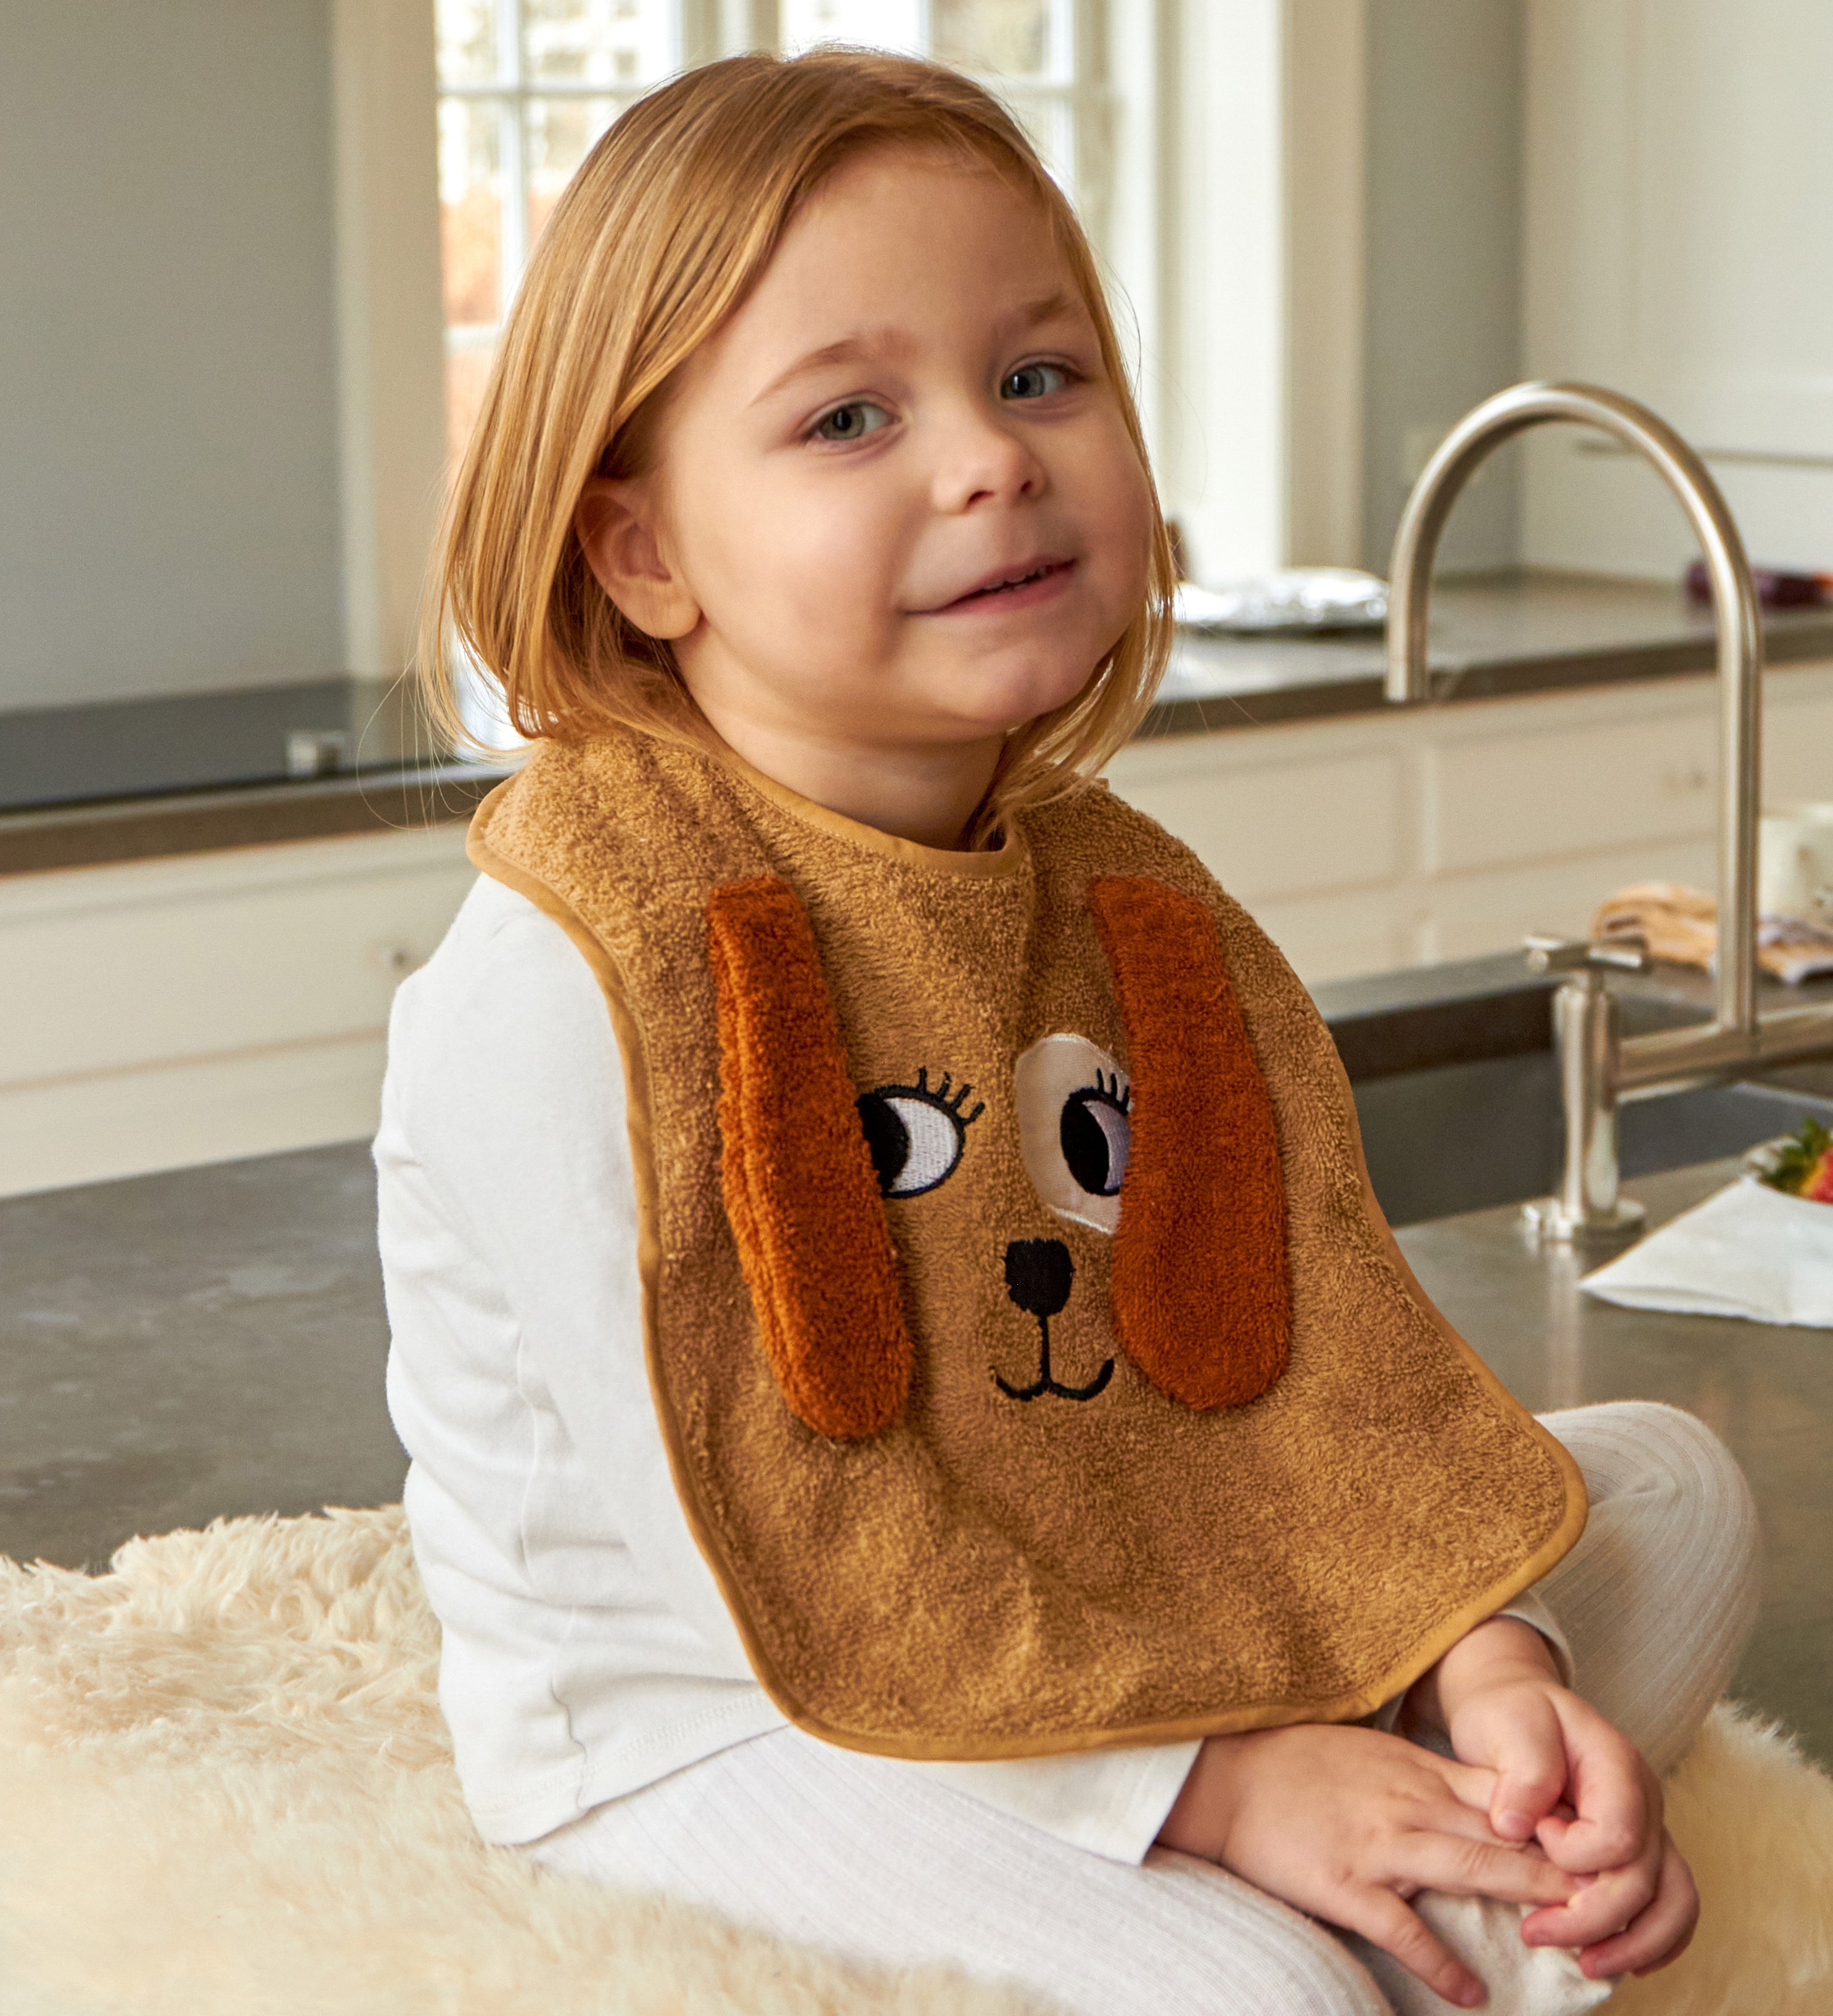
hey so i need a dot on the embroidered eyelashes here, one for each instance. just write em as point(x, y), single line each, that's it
point(1198, 1283)
point(916, 1133)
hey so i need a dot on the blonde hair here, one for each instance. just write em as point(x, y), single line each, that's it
point(657, 239)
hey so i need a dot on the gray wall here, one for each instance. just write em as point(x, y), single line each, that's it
point(1444, 236)
point(168, 430)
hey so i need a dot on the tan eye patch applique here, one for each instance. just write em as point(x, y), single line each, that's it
point(1074, 1127)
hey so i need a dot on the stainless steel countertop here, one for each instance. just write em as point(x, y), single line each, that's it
point(1518, 630)
point(1493, 635)
point(1767, 1390)
point(211, 1341)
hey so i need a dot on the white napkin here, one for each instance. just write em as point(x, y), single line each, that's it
point(1486, 1936)
point(1749, 1251)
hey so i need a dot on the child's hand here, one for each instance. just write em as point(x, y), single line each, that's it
point(1347, 1824)
point(1565, 1777)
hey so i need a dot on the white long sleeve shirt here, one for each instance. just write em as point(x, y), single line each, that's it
point(586, 1649)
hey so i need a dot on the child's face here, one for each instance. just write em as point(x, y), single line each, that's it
point(894, 501)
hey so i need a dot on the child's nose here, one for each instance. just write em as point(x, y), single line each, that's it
point(980, 460)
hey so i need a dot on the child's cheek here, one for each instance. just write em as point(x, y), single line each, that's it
point(836, 555)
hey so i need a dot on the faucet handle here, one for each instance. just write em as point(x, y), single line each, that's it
point(1547, 953)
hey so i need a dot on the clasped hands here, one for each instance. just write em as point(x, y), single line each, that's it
point(1544, 1804)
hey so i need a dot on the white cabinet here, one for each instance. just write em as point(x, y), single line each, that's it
point(1388, 839)
point(160, 1013)
point(1580, 787)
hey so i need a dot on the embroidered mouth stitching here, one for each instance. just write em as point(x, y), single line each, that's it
point(1045, 1384)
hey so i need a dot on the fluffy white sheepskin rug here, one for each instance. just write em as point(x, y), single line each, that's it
point(225, 1790)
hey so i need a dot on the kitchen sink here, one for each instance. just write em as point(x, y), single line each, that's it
point(1457, 1091)
point(1465, 1137)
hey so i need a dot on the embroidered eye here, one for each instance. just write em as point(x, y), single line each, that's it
point(1074, 1127)
point(1095, 1133)
point(915, 1132)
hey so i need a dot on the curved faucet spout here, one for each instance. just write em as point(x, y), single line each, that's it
point(1734, 598)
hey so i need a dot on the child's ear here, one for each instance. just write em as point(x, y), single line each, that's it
point(616, 525)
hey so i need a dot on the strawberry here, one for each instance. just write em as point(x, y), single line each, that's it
point(1804, 1168)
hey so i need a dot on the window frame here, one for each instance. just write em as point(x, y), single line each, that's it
point(512, 91)
point(705, 29)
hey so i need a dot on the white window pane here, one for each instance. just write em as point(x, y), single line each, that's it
point(1010, 38)
point(471, 209)
point(559, 133)
point(885, 24)
point(468, 354)
point(628, 43)
point(469, 40)
point(1049, 126)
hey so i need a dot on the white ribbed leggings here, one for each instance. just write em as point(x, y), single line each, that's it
point(861, 1856)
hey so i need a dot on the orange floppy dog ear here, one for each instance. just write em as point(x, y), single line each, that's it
point(800, 1188)
point(1198, 1281)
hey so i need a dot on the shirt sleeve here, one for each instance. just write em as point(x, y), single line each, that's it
point(1530, 1609)
point(506, 1071)
point(506, 1077)
point(1110, 1801)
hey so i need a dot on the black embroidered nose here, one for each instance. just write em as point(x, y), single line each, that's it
point(1038, 1275)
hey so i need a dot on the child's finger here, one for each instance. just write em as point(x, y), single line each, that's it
point(1529, 1758)
point(1466, 1868)
point(1662, 1934)
point(1604, 1907)
point(1472, 1785)
point(1466, 1820)
point(1594, 1843)
point(1381, 1919)
point(1616, 1797)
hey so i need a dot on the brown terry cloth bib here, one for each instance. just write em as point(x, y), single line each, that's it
point(992, 1453)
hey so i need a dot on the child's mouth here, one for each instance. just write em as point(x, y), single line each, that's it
point(1021, 588)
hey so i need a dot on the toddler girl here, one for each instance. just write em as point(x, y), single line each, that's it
point(920, 1438)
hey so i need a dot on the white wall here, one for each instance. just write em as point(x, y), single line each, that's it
point(1342, 280)
point(1442, 324)
point(390, 327)
point(169, 507)
point(1257, 416)
point(1680, 155)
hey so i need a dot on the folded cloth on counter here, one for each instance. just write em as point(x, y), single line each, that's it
point(1747, 1251)
point(1681, 924)
point(1486, 1934)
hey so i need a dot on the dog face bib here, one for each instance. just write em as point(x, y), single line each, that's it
point(1036, 1371)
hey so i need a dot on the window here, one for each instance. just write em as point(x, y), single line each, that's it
point(1037, 55)
point(527, 86)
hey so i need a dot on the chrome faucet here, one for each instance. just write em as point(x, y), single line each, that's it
point(1597, 1069)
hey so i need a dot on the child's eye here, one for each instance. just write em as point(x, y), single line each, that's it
point(851, 421)
point(1033, 381)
